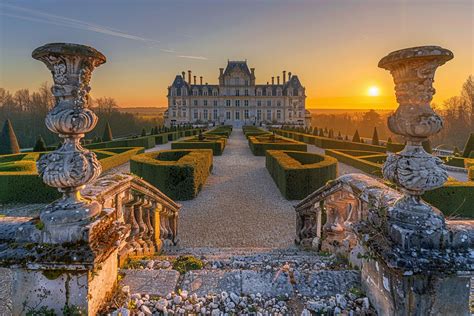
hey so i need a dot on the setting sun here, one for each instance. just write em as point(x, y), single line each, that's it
point(373, 91)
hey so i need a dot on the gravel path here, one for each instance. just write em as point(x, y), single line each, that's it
point(240, 205)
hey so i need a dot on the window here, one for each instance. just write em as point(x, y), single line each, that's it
point(195, 114)
point(227, 115)
point(246, 92)
point(204, 92)
point(174, 101)
point(237, 115)
point(279, 92)
point(237, 102)
point(278, 114)
point(299, 114)
point(259, 92)
point(195, 92)
point(289, 114)
point(205, 114)
point(214, 93)
point(227, 102)
point(278, 103)
point(269, 102)
point(269, 115)
point(215, 114)
point(174, 113)
point(237, 92)
point(246, 114)
point(183, 114)
point(246, 82)
point(195, 102)
point(259, 115)
point(246, 102)
point(259, 103)
point(205, 102)
point(215, 102)
point(184, 102)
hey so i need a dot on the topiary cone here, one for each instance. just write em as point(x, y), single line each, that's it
point(469, 146)
point(8, 141)
point(375, 137)
point(107, 137)
point(356, 137)
point(40, 145)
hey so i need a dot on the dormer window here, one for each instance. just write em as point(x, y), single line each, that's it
point(214, 92)
point(247, 92)
point(279, 92)
point(259, 92)
point(204, 92)
point(195, 92)
point(237, 92)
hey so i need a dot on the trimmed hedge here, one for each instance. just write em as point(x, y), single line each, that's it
point(330, 143)
point(298, 174)
point(254, 131)
point(259, 144)
point(362, 160)
point(145, 142)
point(455, 199)
point(180, 174)
point(223, 130)
point(20, 182)
point(216, 143)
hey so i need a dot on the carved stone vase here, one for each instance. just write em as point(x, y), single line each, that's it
point(412, 222)
point(70, 167)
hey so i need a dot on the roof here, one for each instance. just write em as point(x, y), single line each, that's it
point(179, 82)
point(233, 65)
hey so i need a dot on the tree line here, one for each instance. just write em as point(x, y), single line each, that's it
point(26, 111)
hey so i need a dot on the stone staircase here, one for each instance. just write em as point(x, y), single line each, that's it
point(248, 281)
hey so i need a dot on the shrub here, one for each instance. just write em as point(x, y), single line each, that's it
point(469, 146)
point(180, 174)
point(18, 175)
point(40, 145)
point(375, 138)
point(259, 144)
point(183, 264)
point(8, 141)
point(107, 136)
point(356, 137)
point(454, 199)
point(298, 174)
point(216, 144)
point(359, 159)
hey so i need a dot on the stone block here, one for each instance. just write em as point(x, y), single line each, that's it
point(152, 282)
point(203, 282)
point(266, 283)
point(327, 282)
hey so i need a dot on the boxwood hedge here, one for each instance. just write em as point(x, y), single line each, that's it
point(367, 161)
point(20, 182)
point(259, 144)
point(180, 174)
point(216, 143)
point(453, 199)
point(297, 174)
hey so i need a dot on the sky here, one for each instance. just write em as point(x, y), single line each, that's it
point(333, 45)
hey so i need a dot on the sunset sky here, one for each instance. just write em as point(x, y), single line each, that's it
point(333, 46)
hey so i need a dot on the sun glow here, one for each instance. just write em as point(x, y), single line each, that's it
point(373, 91)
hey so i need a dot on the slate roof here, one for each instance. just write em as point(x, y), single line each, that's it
point(242, 65)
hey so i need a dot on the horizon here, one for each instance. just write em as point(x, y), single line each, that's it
point(333, 47)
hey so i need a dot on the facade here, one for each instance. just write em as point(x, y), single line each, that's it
point(237, 99)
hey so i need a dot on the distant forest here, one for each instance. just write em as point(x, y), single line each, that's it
point(457, 113)
point(27, 111)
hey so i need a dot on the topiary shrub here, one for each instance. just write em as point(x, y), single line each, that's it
point(216, 144)
point(180, 174)
point(259, 144)
point(375, 138)
point(8, 141)
point(107, 136)
point(469, 146)
point(298, 174)
point(40, 145)
point(356, 137)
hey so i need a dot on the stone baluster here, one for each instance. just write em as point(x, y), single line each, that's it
point(412, 222)
point(70, 167)
point(149, 238)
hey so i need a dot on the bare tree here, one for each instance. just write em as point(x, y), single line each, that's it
point(106, 105)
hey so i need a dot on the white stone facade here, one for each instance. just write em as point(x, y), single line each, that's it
point(237, 99)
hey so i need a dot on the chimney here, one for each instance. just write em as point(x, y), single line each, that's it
point(200, 80)
point(252, 70)
point(273, 81)
point(278, 79)
point(284, 76)
point(183, 74)
point(221, 70)
point(189, 76)
point(289, 75)
point(194, 80)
